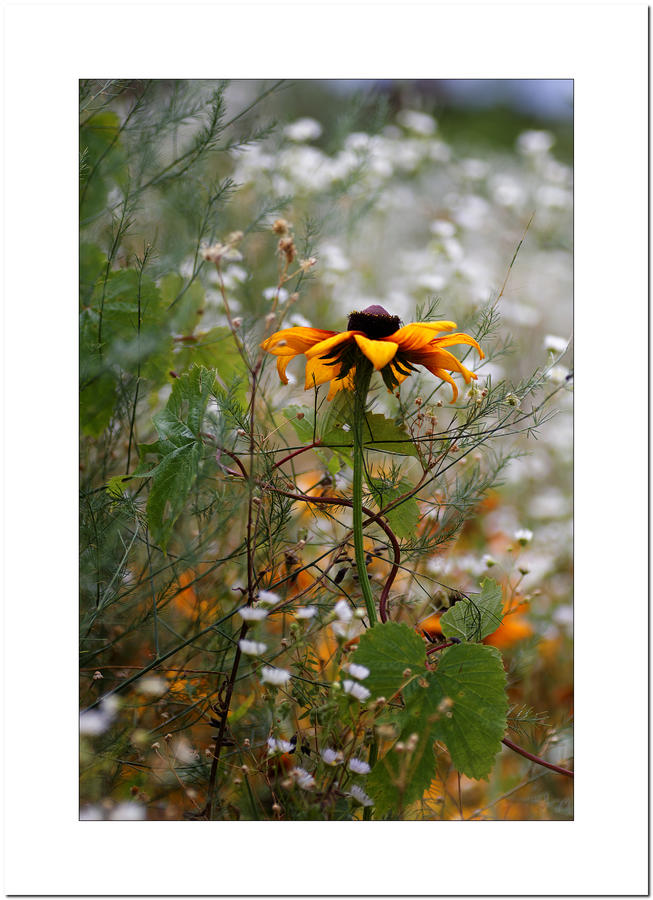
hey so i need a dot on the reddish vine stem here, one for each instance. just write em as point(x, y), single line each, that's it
point(372, 517)
point(292, 455)
point(446, 644)
point(537, 759)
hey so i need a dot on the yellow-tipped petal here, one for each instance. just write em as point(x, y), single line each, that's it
point(379, 353)
point(324, 348)
point(295, 340)
point(459, 338)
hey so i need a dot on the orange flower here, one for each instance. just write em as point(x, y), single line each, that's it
point(376, 335)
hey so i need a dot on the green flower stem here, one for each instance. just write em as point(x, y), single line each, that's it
point(361, 387)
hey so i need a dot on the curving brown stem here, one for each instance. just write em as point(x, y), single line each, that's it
point(371, 517)
point(537, 759)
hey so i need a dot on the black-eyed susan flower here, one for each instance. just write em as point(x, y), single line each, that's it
point(374, 335)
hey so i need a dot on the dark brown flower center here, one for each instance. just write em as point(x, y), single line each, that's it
point(374, 322)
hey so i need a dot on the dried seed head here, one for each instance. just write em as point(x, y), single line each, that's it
point(280, 226)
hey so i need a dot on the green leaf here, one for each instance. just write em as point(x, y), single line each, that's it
point(97, 404)
point(215, 349)
point(381, 434)
point(468, 706)
point(392, 652)
point(179, 451)
point(171, 485)
point(400, 778)
point(474, 619)
point(185, 303)
point(403, 519)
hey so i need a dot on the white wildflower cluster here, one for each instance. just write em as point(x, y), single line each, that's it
point(278, 745)
point(275, 677)
point(305, 612)
point(345, 626)
point(355, 689)
point(332, 757)
point(252, 648)
point(98, 720)
point(359, 795)
point(252, 613)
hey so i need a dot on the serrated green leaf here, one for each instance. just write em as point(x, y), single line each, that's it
point(400, 778)
point(392, 652)
point(179, 451)
point(169, 491)
point(468, 706)
point(215, 349)
point(474, 619)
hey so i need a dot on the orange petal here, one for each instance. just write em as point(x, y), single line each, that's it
point(379, 353)
point(440, 373)
point(414, 336)
point(282, 362)
point(459, 337)
point(324, 347)
point(432, 356)
point(341, 384)
point(294, 340)
point(435, 326)
point(318, 373)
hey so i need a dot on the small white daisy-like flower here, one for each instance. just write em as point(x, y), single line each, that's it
point(555, 344)
point(268, 598)
point(154, 686)
point(331, 757)
point(524, 536)
point(128, 812)
point(277, 677)
point(360, 796)
point(355, 689)
point(343, 610)
point(346, 427)
point(357, 671)
point(488, 561)
point(278, 745)
point(252, 648)
point(305, 612)
point(345, 630)
point(252, 614)
point(303, 778)
point(535, 142)
point(359, 766)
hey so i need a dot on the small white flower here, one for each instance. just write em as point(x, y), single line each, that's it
point(488, 561)
point(278, 745)
point(555, 344)
point(345, 630)
point(268, 598)
point(332, 757)
point(443, 228)
point(343, 610)
point(419, 122)
point(303, 778)
point(357, 671)
point(355, 689)
point(532, 143)
point(303, 130)
point(360, 796)
point(305, 612)
point(128, 812)
point(557, 374)
point(524, 536)
point(153, 686)
point(252, 614)
point(346, 427)
point(270, 675)
point(271, 293)
point(359, 766)
point(90, 813)
point(252, 648)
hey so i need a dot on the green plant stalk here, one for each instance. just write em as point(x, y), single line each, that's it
point(361, 387)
